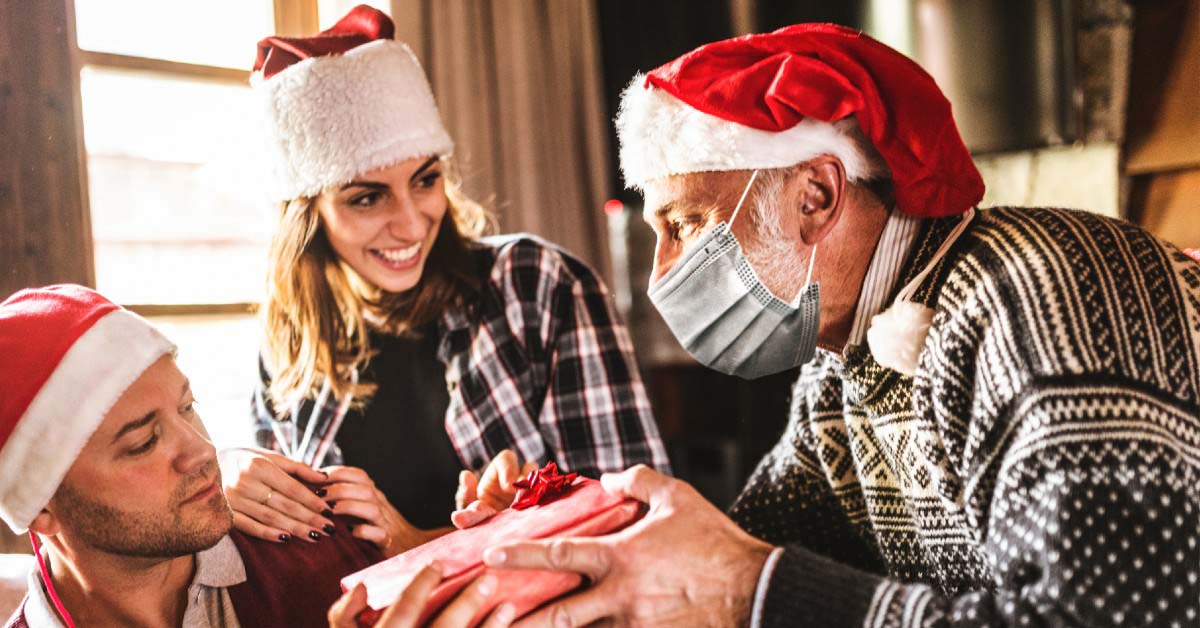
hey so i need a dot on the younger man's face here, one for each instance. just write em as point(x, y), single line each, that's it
point(147, 483)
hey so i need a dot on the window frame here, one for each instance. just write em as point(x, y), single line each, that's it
point(292, 18)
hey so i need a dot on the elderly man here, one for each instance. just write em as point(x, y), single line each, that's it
point(1000, 425)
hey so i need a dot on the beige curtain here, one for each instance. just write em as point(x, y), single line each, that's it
point(519, 86)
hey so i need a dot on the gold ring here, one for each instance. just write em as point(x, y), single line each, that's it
point(268, 497)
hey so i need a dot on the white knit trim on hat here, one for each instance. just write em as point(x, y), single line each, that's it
point(661, 135)
point(68, 408)
point(329, 119)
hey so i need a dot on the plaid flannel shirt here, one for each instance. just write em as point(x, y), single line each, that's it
point(538, 362)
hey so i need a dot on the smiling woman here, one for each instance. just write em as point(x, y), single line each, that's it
point(356, 221)
point(398, 340)
point(365, 242)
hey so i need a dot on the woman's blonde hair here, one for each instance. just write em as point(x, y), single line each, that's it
point(318, 311)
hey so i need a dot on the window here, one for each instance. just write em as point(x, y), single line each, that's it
point(179, 225)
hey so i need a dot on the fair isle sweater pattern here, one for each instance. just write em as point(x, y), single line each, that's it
point(1042, 467)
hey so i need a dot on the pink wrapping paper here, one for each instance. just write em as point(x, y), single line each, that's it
point(586, 510)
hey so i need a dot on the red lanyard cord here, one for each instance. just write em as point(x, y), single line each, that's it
point(58, 605)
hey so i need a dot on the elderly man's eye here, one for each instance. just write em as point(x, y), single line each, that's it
point(687, 227)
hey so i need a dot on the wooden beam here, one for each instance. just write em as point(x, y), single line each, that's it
point(189, 309)
point(296, 18)
point(45, 231)
point(164, 67)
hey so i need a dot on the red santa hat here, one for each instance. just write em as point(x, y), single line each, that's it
point(778, 99)
point(69, 354)
point(345, 101)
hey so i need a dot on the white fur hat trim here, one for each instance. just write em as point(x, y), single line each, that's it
point(661, 135)
point(329, 119)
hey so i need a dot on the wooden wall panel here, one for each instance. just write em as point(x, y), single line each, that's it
point(45, 233)
point(1169, 205)
point(1162, 140)
point(1164, 99)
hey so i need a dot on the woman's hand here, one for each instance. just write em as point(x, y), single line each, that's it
point(405, 612)
point(481, 496)
point(350, 491)
point(268, 498)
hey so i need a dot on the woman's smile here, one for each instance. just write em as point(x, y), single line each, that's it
point(395, 258)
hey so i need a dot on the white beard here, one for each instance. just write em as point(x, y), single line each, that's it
point(772, 253)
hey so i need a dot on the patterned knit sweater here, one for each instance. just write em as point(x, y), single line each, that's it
point(1042, 467)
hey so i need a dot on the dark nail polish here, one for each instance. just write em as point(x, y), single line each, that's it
point(327, 513)
point(285, 537)
point(314, 535)
point(332, 503)
point(328, 529)
point(320, 492)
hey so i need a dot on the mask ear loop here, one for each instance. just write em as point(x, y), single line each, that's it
point(807, 279)
point(745, 193)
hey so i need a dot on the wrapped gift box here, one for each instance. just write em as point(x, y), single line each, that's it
point(580, 507)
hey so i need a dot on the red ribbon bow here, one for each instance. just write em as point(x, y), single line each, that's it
point(541, 485)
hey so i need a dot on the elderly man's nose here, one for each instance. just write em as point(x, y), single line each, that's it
point(664, 258)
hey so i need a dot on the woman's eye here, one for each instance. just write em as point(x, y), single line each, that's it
point(366, 200)
point(428, 180)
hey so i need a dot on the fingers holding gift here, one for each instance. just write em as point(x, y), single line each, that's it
point(501, 617)
point(344, 612)
point(404, 613)
point(496, 482)
point(591, 557)
point(467, 493)
point(582, 609)
point(467, 604)
point(407, 610)
point(472, 515)
point(643, 484)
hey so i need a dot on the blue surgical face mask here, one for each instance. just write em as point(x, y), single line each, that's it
point(724, 316)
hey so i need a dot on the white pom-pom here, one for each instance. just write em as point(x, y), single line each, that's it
point(897, 335)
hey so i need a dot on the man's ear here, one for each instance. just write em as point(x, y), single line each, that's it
point(819, 196)
point(45, 524)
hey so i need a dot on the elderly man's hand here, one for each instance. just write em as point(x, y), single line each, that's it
point(684, 564)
